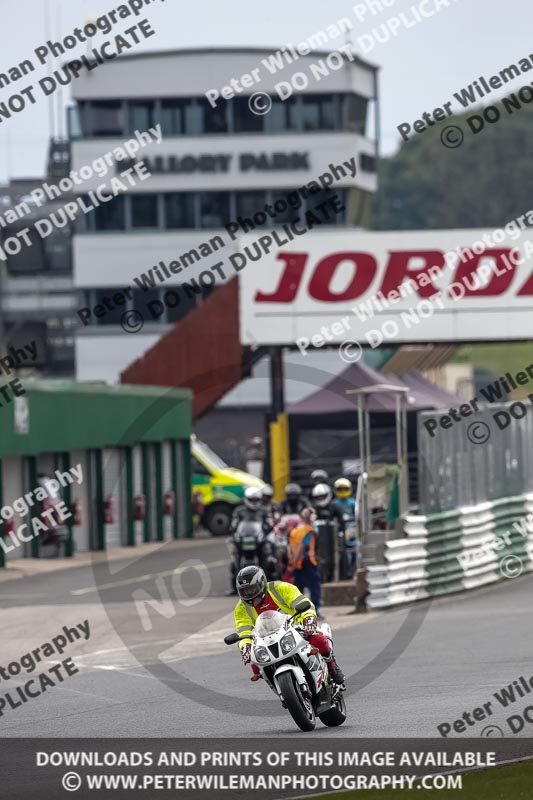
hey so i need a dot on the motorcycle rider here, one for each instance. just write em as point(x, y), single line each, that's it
point(294, 502)
point(251, 510)
point(256, 596)
point(324, 507)
point(347, 505)
point(267, 501)
point(326, 512)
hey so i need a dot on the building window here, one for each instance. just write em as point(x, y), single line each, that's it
point(244, 120)
point(309, 112)
point(367, 163)
point(186, 116)
point(103, 118)
point(112, 312)
point(249, 203)
point(317, 112)
point(355, 113)
point(31, 259)
point(147, 304)
point(193, 118)
point(335, 218)
point(179, 210)
point(140, 115)
point(74, 123)
point(330, 112)
point(214, 209)
point(291, 213)
point(172, 117)
point(58, 250)
point(110, 216)
point(215, 120)
point(144, 211)
point(279, 118)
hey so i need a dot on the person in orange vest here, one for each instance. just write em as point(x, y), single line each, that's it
point(303, 562)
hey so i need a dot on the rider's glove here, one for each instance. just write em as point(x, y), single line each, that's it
point(309, 625)
point(246, 653)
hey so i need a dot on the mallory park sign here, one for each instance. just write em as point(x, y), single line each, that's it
point(222, 162)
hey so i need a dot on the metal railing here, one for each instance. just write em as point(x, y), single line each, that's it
point(482, 457)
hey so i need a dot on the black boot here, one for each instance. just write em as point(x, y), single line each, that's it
point(336, 673)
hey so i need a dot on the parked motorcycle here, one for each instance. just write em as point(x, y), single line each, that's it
point(282, 530)
point(348, 556)
point(254, 545)
point(294, 670)
point(327, 548)
point(248, 540)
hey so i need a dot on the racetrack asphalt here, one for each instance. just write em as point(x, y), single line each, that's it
point(155, 664)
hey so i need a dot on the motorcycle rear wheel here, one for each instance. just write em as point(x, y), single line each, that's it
point(336, 715)
point(299, 707)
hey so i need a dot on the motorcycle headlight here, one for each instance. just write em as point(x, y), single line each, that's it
point(288, 643)
point(261, 655)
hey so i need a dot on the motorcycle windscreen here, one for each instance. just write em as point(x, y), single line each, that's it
point(249, 530)
point(269, 622)
point(249, 534)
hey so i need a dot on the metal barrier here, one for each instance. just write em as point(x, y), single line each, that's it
point(455, 551)
point(475, 460)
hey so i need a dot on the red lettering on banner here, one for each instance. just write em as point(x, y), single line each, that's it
point(500, 280)
point(364, 271)
point(527, 288)
point(398, 270)
point(290, 279)
point(365, 268)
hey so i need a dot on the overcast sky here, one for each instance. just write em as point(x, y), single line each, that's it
point(420, 69)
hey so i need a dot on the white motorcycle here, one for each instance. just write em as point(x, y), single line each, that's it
point(294, 670)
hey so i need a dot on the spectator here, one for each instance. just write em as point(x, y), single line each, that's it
point(303, 562)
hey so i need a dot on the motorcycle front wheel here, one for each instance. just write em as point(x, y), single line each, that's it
point(336, 714)
point(299, 707)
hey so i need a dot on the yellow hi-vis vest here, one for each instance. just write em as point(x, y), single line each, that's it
point(285, 595)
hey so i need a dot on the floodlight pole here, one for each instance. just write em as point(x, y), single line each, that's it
point(401, 451)
point(365, 457)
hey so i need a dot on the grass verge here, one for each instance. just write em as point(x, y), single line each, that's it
point(499, 783)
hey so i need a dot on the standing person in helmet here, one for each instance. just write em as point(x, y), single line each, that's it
point(347, 505)
point(294, 501)
point(251, 510)
point(256, 596)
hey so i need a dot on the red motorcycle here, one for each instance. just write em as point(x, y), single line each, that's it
point(282, 531)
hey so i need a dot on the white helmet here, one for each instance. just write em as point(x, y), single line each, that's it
point(321, 495)
point(252, 498)
point(319, 476)
point(267, 491)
